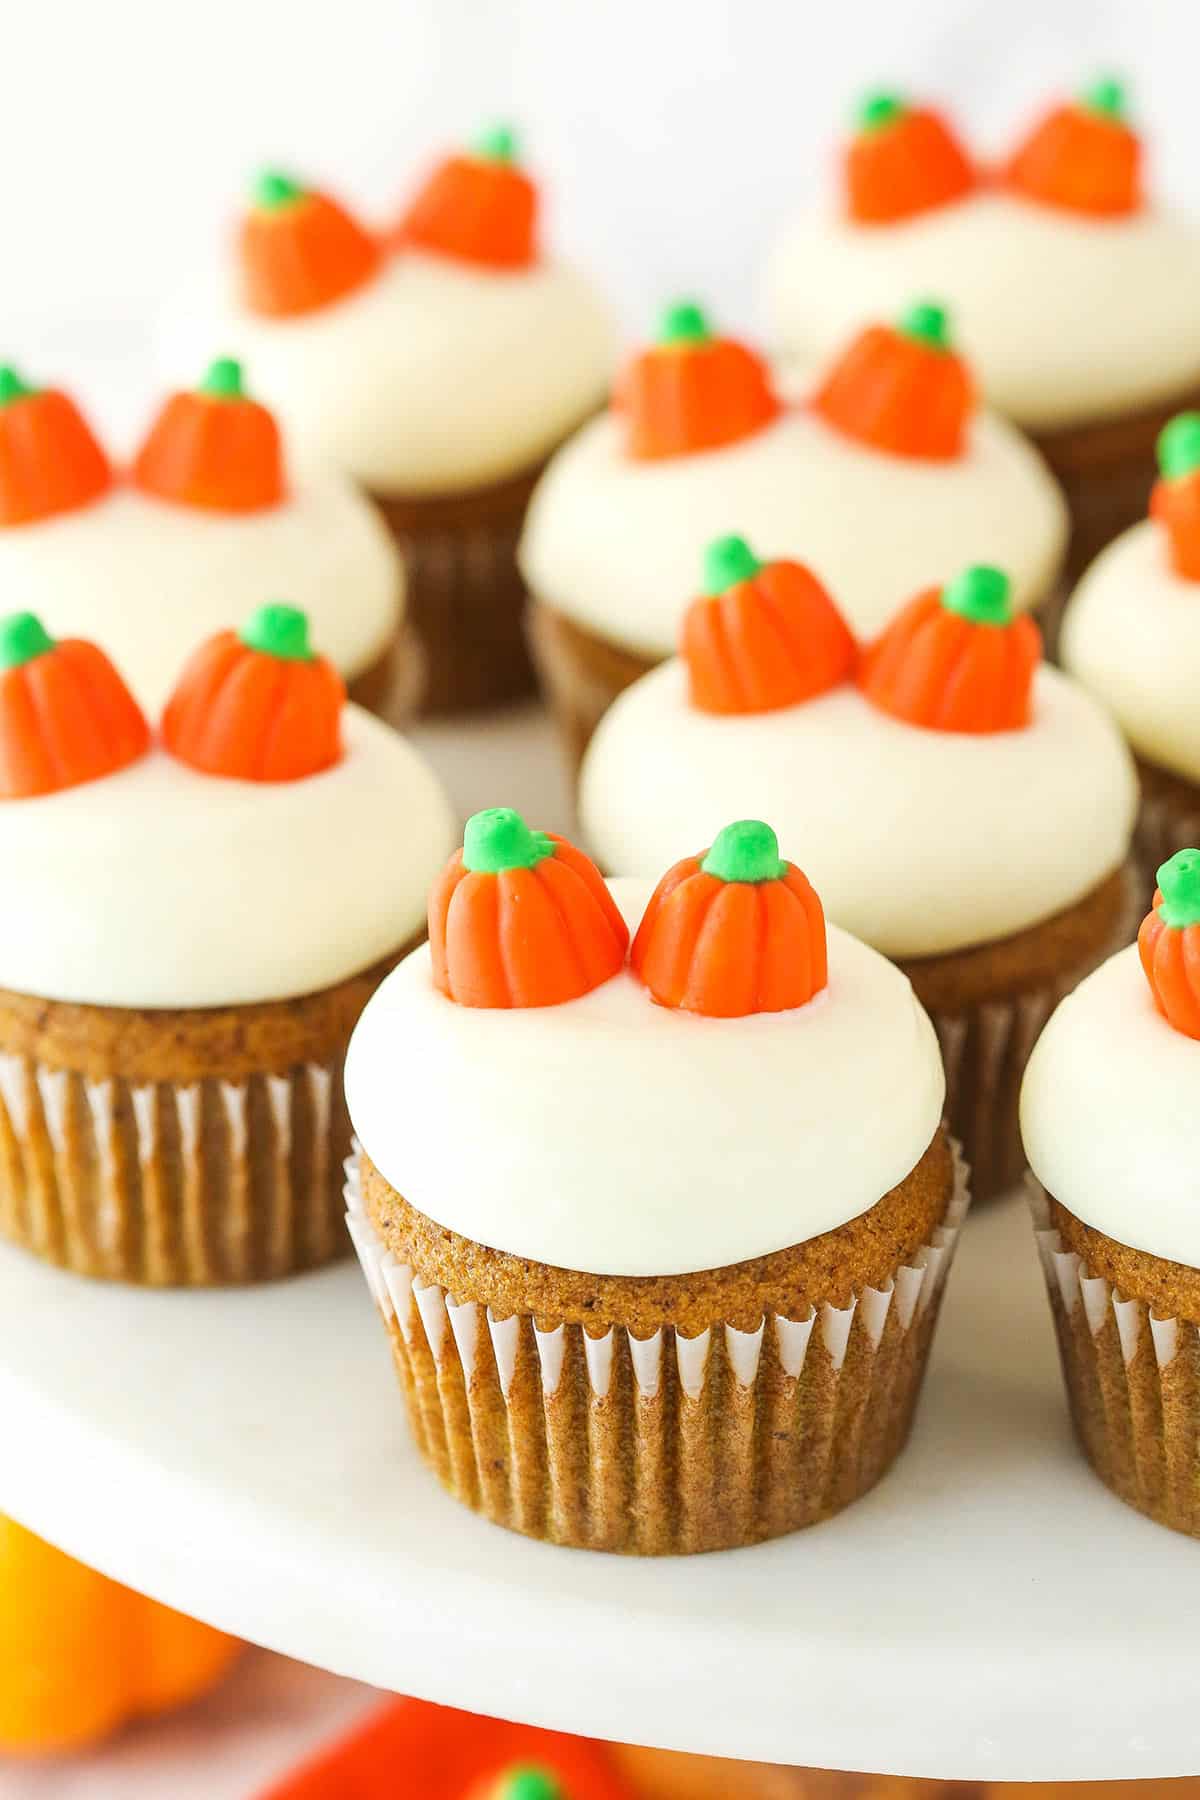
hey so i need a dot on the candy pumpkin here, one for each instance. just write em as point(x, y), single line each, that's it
point(692, 390)
point(49, 460)
point(1169, 942)
point(732, 931)
point(257, 704)
point(1082, 157)
point(477, 208)
point(300, 250)
point(527, 1782)
point(902, 389)
point(66, 716)
point(766, 635)
point(521, 918)
point(81, 1656)
point(956, 658)
point(213, 448)
point(1175, 500)
point(902, 160)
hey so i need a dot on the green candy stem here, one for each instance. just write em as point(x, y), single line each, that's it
point(1179, 880)
point(527, 1783)
point(980, 594)
point(1179, 446)
point(223, 379)
point(22, 637)
point(496, 143)
point(727, 561)
point(499, 839)
point(11, 386)
point(684, 323)
point(878, 109)
point(927, 321)
point(1107, 97)
point(273, 190)
point(278, 630)
point(747, 850)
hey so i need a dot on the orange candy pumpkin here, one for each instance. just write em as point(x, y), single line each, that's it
point(300, 250)
point(693, 391)
point(902, 160)
point(1175, 500)
point(257, 704)
point(733, 931)
point(521, 918)
point(49, 460)
point(1169, 943)
point(1082, 157)
point(213, 448)
point(66, 716)
point(903, 389)
point(478, 208)
point(766, 635)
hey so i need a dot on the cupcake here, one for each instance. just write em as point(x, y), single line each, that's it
point(205, 521)
point(1131, 633)
point(1110, 1112)
point(1078, 297)
point(963, 808)
point(438, 364)
point(649, 1285)
point(889, 433)
point(190, 926)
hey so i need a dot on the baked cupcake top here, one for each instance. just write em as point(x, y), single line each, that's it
point(206, 520)
point(440, 355)
point(1110, 1105)
point(534, 1080)
point(1021, 252)
point(1131, 630)
point(948, 787)
point(268, 842)
point(886, 474)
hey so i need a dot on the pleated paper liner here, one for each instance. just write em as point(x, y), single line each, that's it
point(1169, 820)
point(580, 674)
point(1133, 1383)
point(668, 1444)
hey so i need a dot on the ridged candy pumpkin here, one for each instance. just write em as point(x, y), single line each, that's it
point(49, 460)
point(300, 250)
point(477, 208)
point(1082, 157)
point(257, 704)
point(1169, 942)
point(521, 918)
point(693, 390)
point(956, 658)
point(1175, 500)
point(523, 1781)
point(732, 931)
point(902, 389)
point(214, 448)
point(902, 160)
point(66, 716)
point(764, 636)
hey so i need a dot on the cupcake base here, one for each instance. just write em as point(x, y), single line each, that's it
point(1169, 820)
point(666, 1415)
point(580, 675)
point(389, 686)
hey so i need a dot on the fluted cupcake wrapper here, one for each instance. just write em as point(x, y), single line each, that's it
point(666, 1444)
point(1166, 823)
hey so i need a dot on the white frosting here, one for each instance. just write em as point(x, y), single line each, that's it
point(619, 1137)
point(159, 886)
point(918, 841)
point(1131, 633)
point(1110, 1114)
point(148, 580)
point(1066, 319)
point(435, 377)
point(618, 544)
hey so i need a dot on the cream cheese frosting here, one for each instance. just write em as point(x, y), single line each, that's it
point(617, 544)
point(1131, 634)
point(162, 887)
point(920, 842)
point(1066, 319)
point(618, 1137)
point(1110, 1114)
point(149, 580)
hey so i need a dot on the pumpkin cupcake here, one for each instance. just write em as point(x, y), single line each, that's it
point(721, 1337)
point(1110, 1112)
point(964, 809)
point(190, 927)
point(208, 518)
point(438, 362)
point(1078, 297)
point(889, 434)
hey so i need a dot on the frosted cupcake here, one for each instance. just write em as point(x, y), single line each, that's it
point(889, 434)
point(1078, 297)
point(721, 1337)
point(1110, 1112)
point(964, 809)
point(189, 928)
point(438, 363)
point(207, 520)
